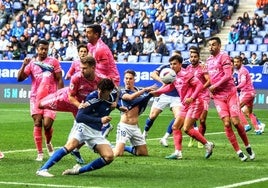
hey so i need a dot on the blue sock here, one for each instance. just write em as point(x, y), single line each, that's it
point(195, 124)
point(130, 149)
point(169, 129)
point(55, 158)
point(149, 124)
point(94, 165)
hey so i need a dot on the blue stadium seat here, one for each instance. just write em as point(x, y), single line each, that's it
point(247, 54)
point(170, 46)
point(229, 47)
point(207, 33)
point(240, 47)
point(261, 33)
point(234, 53)
point(180, 47)
point(251, 47)
point(155, 58)
point(258, 40)
point(263, 47)
point(186, 19)
point(191, 44)
point(143, 58)
point(136, 32)
point(165, 59)
point(185, 54)
point(120, 58)
point(133, 58)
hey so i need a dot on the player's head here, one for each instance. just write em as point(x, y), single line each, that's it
point(93, 33)
point(105, 87)
point(42, 49)
point(176, 52)
point(214, 45)
point(194, 49)
point(129, 78)
point(194, 58)
point(82, 50)
point(175, 62)
point(87, 66)
point(237, 61)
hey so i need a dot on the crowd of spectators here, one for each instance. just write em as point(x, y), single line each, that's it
point(136, 27)
point(248, 28)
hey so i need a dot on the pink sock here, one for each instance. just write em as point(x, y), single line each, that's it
point(253, 120)
point(37, 133)
point(177, 138)
point(48, 134)
point(242, 133)
point(196, 135)
point(231, 137)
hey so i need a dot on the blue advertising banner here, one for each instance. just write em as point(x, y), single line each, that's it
point(9, 70)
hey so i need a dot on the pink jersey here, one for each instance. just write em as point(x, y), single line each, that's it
point(199, 72)
point(220, 73)
point(36, 74)
point(75, 67)
point(80, 87)
point(105, 61)
point(186, 84)
point(244, 81)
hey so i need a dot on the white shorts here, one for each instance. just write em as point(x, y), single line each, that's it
point(84, 133)
point(164, 100)
point(132, 133)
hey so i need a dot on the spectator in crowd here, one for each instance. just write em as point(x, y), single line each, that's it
point(179, 5)
point(41, 30)
point(198, 19)
point(137, 47)
point(244, 59)
point(233, 35)
point(199, 5)
point(217, 15)
point(65, 17)
point(223, 5)
point(35, 17)
point(258, 21)
point(64, 32)
point(3, 45)
point(125, 47)
point(62, 50)
point(246, 18)
point(239, 23)
point(188, 8)
point(158, 4)
point(199, 36)
point(186, 36)
point(169, 6)
point(71, 52)
point(160, 25)
point(18, 30)
point(211, 23)
point(254, 60)
point(23, 45)
point(114, 45)
point(253, 28)
point(174, 35)
point(9, 9)
point(245, 35)
point(177, 19)
point(148, 45)
point(151, 13)
point(161, 11)
point(142, 17)
point(148, 28)
point(54, 31)
point(16, 53)
point(264, 59)
point(161, 47)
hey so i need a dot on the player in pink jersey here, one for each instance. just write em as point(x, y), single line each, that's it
point(102, 53)
point(104, 58)
point(225, 97)
point(37, 68)
point(246, 94)
point(200, 71)
point(189, 89)
point(75, 66)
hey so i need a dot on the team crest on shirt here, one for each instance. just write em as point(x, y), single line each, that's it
point(71, 86)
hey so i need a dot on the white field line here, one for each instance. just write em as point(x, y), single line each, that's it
point(44, 185)
point(244, 183)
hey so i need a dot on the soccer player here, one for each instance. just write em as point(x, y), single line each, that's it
point(189, 89)
point(75, 66)
point(104, 58)
point(170, 99)
point(135, 100)
point(92, 114)
point(201, 73)
point(225, 97)
point(246, 94)
point(35, 68)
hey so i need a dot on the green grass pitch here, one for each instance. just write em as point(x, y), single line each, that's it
point(223, 169)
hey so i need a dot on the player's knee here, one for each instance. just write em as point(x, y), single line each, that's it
point(108, 158)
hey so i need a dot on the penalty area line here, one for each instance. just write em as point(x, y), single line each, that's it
point(44, 185)
point(244, 183)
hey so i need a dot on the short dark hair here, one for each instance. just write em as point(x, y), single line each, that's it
point(44, 42)
point(130, 71)
point(106, 84)
point(81, 46)
point(176, 57)
point(96, 28)
point(215, 38)
point(90, 60)
point(194, 48)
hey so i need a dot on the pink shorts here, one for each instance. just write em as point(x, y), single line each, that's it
point(194, 110)
point(44, 112)
point(247, 98)
point(227, 105)
point(206, 101)
point(59, 101)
